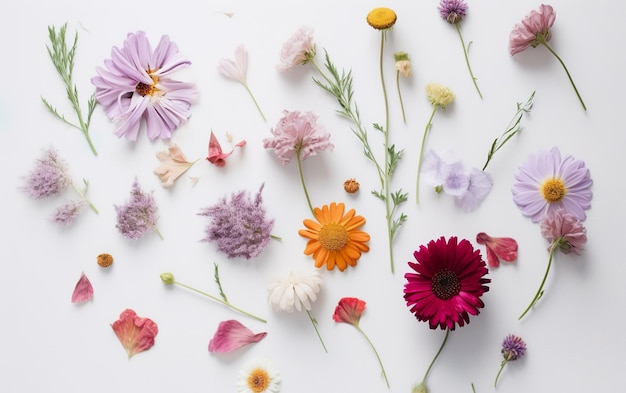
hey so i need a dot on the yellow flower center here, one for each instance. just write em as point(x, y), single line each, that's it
point(381, 18)
point(553, 190)
point(333, 237)
point(143, 90)
point(258, 380)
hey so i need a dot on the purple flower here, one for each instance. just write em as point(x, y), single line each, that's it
point(67, 213)
point(139, 215)
point(547, 182)
point(297, 133)
point(49, 176)
point(239, 226)
point(565, 231)
point(452, 11)
point(134, 85)
point(513, 347)
point(480, 184)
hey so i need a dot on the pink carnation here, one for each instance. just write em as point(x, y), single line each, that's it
point(525, 33)
point(297, 50)
point(566, 230)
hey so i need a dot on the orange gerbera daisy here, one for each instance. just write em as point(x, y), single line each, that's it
point(334, 240)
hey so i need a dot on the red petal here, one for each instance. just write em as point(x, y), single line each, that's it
point(216, 155)
point(349, 310)
point(231, 335)
point(83, 290)
point(135, 333)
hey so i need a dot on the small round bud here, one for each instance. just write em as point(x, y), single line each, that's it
point(105, 260)
point(167, 278)
point(351, 186)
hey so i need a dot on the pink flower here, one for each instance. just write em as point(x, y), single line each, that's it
point(498, 247)
point(298, 50)
point(349, 310)
point(231, 335)
point(237, 69)
point(135, 333)
point(565, 231)
point(173, 165)
point(83, 290)
point(526, 33)
point(216, 156)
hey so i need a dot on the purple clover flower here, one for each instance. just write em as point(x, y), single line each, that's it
point(452, 11)
point(139, 215)
point(239, 226)
point(67, 213)
point(513, 347)
point(49, 176)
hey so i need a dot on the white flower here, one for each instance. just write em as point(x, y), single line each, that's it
point(297, 290)
point(258, 376)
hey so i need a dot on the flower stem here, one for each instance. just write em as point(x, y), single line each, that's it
point(255, 102)
point(543, 41)
point(83, 196)
point(158, 233)
point(458, 29)
point(499, 372)
point(314, 322)
point(400, 95)
point(306, 193)
point(445, 338)
point(375, 352)
point(227, 304)
point(539, 293)
point(419, 165)
point(382, 81)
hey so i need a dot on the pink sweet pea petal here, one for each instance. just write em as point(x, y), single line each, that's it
point(231, 335)
point(135, 333)
point(216, 155)
point(83, 290)
point(504, 248)
point(349, 310)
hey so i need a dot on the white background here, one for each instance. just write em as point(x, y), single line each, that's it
point(574, 336)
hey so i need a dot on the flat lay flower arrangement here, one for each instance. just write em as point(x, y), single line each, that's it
point(250, 233)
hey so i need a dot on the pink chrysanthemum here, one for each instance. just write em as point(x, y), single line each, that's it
point(533, 25)
point(134, 85)
point(298, 50)
point(448, 283)
point(566, 231)
point(547, 182)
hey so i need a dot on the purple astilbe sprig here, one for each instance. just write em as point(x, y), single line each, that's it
point(49, 176)
point(66, 214)
point(239, 225)
point(139, 215)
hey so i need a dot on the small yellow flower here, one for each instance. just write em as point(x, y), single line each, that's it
point(439, 95)
point(351, 186)
point(105, 260)
point(381, 18)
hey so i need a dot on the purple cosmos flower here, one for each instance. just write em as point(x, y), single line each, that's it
point(546, 182)
point(239, 226)
point(297, 133)
point(139, 215)
point(49, 176)
point(480, 184)
point(298, 50)
point(566, 231)
point(452, 11)
point(67, 213)
point(134, 85)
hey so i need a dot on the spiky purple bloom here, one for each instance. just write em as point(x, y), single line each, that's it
point(67, 213)
point(49, 176)
point(134, 85)
point(139, 215)
point(452, 11)
point(547, 182)
point(480, 184)
point(239, 226)
point(513, 347)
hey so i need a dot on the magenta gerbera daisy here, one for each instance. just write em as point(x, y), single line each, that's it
point(448, 283)
point(547, 182)
point(134, 85)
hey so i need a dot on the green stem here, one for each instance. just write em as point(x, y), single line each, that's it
point(543, 41)
point(539, 293)
point(419, 165)
point(306, 193)
point(314, 322)
point(382, 81)
point(458, 29)
point(499, 372)
point(445, 338)
point(84, 197)
point(255, 102)
point(319, 71)
point(227, 304)
point(158, 233)
point(400, 95)
point(375, 352)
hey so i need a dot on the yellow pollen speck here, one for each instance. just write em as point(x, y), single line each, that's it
point(381, 18)
point(553, 190)
point(258, 380)
point(333, 237)
point(143, 90)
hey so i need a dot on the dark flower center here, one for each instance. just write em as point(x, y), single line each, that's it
point(143, 89)
point(445, 284)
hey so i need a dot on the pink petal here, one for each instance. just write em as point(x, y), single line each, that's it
point(231, 335)
point(135, 333)
point(83, 290)
point(349, 310)
point(498, 247)
point(216, 155)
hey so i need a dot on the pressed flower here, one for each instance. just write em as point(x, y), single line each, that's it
point(381, 18)
point(403, 67)
point(547, 182)
point(565, 232)
point(135, 86)
point(534, 30)
point(349, 310)
point(298, 50)
point(237, 70)
point(67, 213)
point(231, 335)
point(239, 226)
point(136, 334)
point(479, 186)
point(173, 164)
point(83, 291)
point(104, 260)
point(498, 247)
point(138, 216)
point(297, 291)
point(351, 186)
point(259, 376)
point(335, 238)
point(513, 348)
point(216, 156)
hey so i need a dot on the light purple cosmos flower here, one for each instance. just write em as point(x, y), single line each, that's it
point(239, 226)
point(49, 176)
point(452, 11)
point(298, 50)
point(67, 213)
point(480, 184)
point(297, 133)
point(566, 231)
point(546, 182)
point(139, 215)
point(134, 85)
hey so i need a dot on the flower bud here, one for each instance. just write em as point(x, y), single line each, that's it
point(167, 278)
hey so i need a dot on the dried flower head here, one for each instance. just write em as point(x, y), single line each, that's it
point(452, 11)
point(298, 50)
point(139, 215)
point(439, 95)
point(381, 18)
point(104, 260)
point(49, 176)
point(403, 63)
point(67, 213)
point(351, 186)
point(239, 226)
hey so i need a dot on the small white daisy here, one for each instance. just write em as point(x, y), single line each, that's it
point(258, 376)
